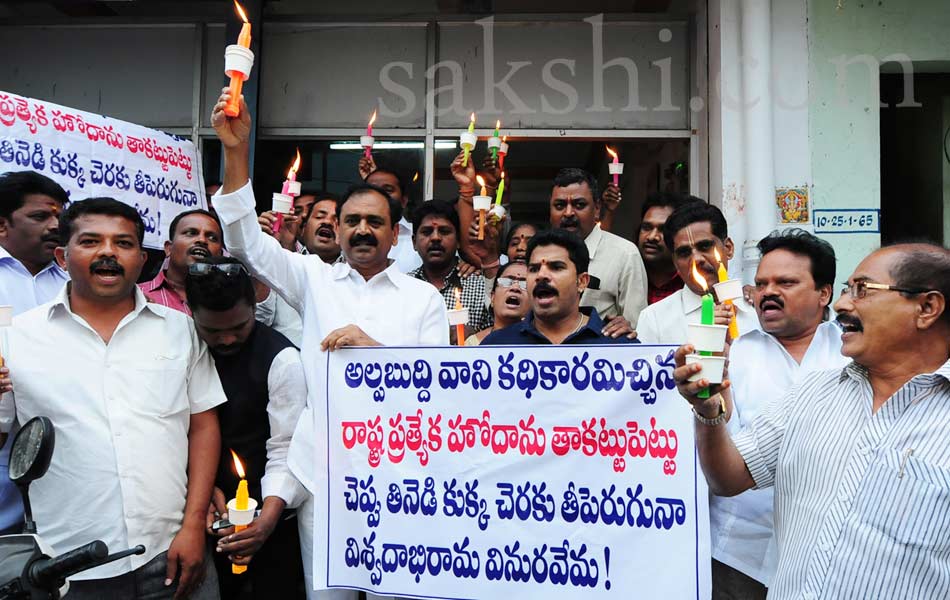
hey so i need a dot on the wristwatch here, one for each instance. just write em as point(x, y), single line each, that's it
point(718, 419)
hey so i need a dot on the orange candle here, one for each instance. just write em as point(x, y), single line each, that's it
point(233, 107)
point(460, 328)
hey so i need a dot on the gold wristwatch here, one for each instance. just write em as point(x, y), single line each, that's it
point(718, 419)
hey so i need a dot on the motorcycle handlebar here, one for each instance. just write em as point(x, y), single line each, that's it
point(46, 573)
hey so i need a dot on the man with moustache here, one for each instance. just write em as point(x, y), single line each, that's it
point(365, 301)
point(436, 226)
point(793, 288)
point(662, 278)
point(193, 235)
point(557, 277)
point(30, 204)
point(618, 279)
point(395, 182)
point(132, 398)
point(857, 455)
point(694, 232)
point(263, 379)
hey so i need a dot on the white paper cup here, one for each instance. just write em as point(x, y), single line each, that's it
point(282, 203)
point(503, 148)
point(713, 367)
point(468, 139)
point(615, 168)
point(458, 317)
point(494, 142)
point(707, 338)
point(238, 60)
point(498, 211)
point(481, 202)
point(241, 517)
point(6, 315)
point(293, 188)
point(367, 141)
point(729, 289)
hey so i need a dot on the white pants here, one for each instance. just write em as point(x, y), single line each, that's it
point(305, 526)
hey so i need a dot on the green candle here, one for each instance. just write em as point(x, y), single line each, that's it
point(709, 310)
point(501, 190)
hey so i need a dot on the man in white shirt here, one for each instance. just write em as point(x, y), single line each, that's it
point(131, 394)
point(29, 216)
point(793, 288)
point(366, 301)
point(396, 183)
point(618, 279)
point(263, 379)
point(695, 232)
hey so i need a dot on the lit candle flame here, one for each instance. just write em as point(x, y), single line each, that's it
point(503, 175)
point(415, 177)
point(458, 298)
point(699, 279)
point(240, 11)
point(611, 152)
point(498, 124)
point(296, 165)
point(504, 138)
point(238, 465)
point(480, 180)
point(372, 119)
point(472, 118)
point(718, 256)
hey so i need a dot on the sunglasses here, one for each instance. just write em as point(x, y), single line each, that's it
point(229, 269)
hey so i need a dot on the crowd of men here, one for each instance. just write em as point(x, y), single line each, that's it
point(825, 448)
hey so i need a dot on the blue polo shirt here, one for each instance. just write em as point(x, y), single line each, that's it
point(524, 333)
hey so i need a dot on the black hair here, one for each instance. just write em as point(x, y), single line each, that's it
point(386, 166)
point(219, 291)
point(696, 211)
point(188, 213)
point(321, 195)
point(435, 208)
point(15, 186)
point(672, 200)
point(395, 209)
point(98, 206)
point(924, 266)
point(566, 177)
point(798, 241)
point(576, 248)
point(515, 227)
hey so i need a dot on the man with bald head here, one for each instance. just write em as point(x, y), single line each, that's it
point(857, 455)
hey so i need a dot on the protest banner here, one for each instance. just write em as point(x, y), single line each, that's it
point(509, 472)
point(93, 155)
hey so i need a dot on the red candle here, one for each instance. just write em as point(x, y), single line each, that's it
point(367, 152)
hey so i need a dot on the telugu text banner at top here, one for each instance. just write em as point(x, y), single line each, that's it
point(92, 155)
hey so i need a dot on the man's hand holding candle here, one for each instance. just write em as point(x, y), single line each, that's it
point(287, 234)
point(6, 384)
point(243, 545)
point(706, 407)
point(366, 166)
point(232, 131)
point(464, 176)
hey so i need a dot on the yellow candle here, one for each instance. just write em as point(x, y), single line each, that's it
point(723, 275)
point(501, 190)
point(240, 502)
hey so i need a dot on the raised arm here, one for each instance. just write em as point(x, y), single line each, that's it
point(283, 271)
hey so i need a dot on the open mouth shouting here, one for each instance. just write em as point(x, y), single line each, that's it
point(199, 251)
point(544, 294)
point(850, 325)
point(107, 271)
point(771, 307)
point(325, 233)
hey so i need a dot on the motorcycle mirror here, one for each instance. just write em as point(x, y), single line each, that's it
point(31, 451)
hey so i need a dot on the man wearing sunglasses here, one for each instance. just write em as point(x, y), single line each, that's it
point(365, 301)
point(263, 379)
point(858, 456)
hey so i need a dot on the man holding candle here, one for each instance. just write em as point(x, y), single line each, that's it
point(557, 277)
point(436, 226)
point(263, 379)
point(695, 232)
point(193, 235)
point(132, 398)
point(618, 280)
point(857, 456)
point(365, 301)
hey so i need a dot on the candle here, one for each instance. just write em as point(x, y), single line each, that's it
point(233, 106)
point(494, 150)
point(468, 140)
point(479, 203)
point(241, 501)
point(502, 152)
point(501, 190)
point(615, 168)
point(460, 327)
point(723, 275)
point(368, 138)
point(290, 188)
point(707, 314)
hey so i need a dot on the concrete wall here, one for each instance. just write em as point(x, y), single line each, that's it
point(846, 47)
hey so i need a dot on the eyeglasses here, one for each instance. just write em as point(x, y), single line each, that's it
point(859, 289)
point(508, 281)
point(201, 269)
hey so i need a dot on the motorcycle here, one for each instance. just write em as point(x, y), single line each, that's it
point(28, 568)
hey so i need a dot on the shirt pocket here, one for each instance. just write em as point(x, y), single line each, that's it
point(159, 386)
point(908, 500)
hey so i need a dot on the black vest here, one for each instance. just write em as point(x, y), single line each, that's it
point(245, 427)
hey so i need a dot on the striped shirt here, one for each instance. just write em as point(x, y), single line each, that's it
point(862, 500)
